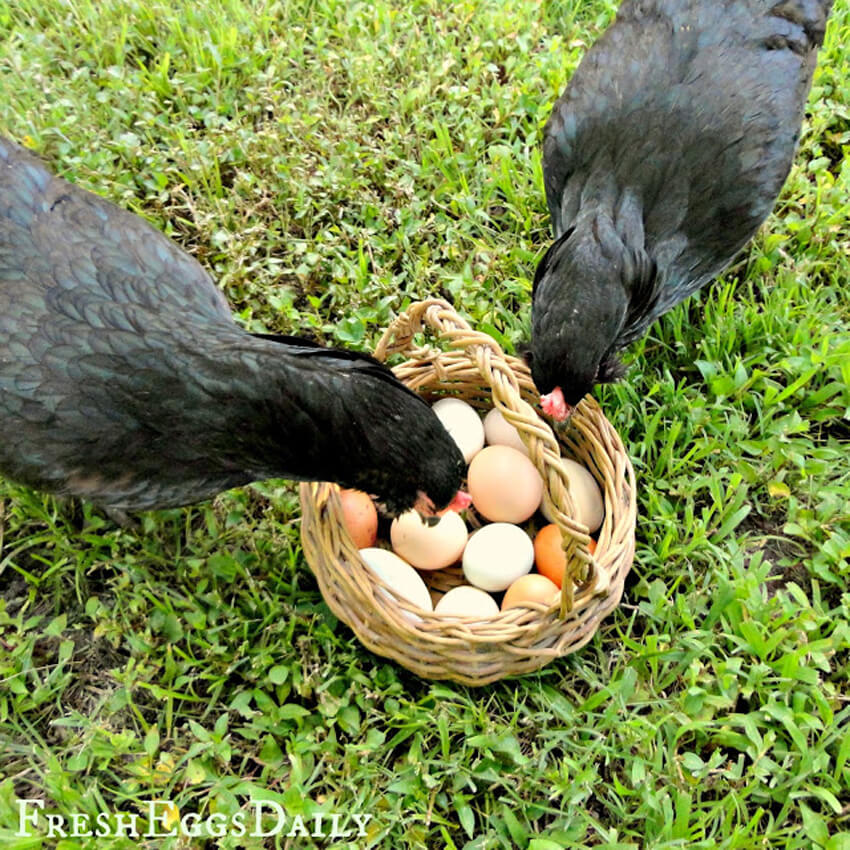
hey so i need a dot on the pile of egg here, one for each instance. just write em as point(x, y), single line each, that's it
point(497, 557)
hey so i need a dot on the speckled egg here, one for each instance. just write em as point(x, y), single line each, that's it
point(428, 546)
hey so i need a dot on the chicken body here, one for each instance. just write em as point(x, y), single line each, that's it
point(125, 381)
point(661, 159)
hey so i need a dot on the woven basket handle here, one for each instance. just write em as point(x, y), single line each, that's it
point(582, 571)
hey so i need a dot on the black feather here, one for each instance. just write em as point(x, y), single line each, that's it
point(611, 370)
point(361, 361)
point(545, 260)
point(124, 379)
point(661, 159)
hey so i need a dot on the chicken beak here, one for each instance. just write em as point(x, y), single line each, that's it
point(425, 507)
point(554, 405)
point(461, 502)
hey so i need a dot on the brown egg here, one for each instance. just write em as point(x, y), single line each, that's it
point(360, 517)
point(530, 588)
point(549, 555)
point(504, 484)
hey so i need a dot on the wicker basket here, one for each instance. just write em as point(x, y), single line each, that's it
point(521, 639)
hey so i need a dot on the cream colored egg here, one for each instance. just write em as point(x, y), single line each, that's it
point(496, 555)
point(462, 422)
point(466, 601)
point(504, 484)
point(428, 547)
point(499, 432)
point(400, 576)
point(586, 495)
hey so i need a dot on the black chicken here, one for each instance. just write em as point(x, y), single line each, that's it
point(125, 381)
point(661, 159)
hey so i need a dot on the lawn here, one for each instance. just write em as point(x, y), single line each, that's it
point(329, 162)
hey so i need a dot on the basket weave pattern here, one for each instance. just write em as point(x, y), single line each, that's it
point(475, 369)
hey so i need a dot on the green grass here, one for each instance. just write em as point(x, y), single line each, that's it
point(330, 161)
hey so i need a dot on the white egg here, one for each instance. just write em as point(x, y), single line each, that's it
point(466, 601)
point(401, 577)
point(499, 432)
point(428, 547)
point(496, 555)
point(462, 422)
point(586, 495)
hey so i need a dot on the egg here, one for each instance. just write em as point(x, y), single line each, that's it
point(586, 495)
point(466, 601)
point(499, 432)
point(504, 484)
point(530, 588)
point(428, 547)
point(360, 517)
point(401, 577)
point(549, 557)
point(462, 422)
point(496, 555)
